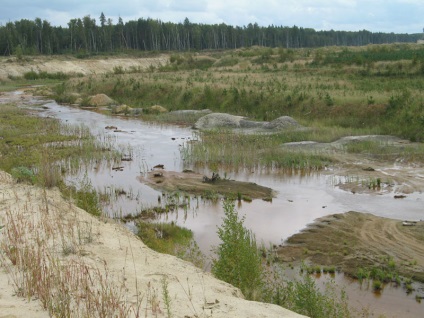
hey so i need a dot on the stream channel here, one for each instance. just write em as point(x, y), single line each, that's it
point(299, 200)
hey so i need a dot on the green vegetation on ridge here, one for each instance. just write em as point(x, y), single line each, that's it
point(341, 88)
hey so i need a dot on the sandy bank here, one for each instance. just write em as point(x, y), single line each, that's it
point(113, 255)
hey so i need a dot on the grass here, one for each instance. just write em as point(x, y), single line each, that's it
point(381, 95)
point(336, 91)
point(41, 151)
point(171, 239)
point(227, 149)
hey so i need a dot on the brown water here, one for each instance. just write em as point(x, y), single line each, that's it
point(299, 201)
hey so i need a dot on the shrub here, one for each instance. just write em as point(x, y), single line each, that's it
point(238, 259)
point(304, 297)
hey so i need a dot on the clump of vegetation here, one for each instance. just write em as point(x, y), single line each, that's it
point(171, 239)
point(239, 262)
point(23, 174)
point(164, 237)
point(233, 150)
point(32, 75)
point(384, 274)
point(178, 62)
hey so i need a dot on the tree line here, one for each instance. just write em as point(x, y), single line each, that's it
point(87, 36)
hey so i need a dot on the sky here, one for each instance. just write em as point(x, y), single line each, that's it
point(398, 16)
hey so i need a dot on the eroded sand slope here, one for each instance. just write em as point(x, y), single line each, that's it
point(104, 246)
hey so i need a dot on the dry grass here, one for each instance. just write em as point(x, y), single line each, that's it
point(44, 256)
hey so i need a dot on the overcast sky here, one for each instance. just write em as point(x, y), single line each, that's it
point(398, 16)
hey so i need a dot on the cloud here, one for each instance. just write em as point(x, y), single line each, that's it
point(377, 15)
point(188, 5)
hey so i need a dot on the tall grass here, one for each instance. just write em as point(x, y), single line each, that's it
point(233, 150)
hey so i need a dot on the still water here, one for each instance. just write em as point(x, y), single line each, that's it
point(299, 201)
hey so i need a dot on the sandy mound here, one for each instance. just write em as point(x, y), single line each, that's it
point(370, 238)
point(123, 109)
point(98, 255)
point(384, 139)
point(194, 183)
point(342, 142)
point(101, 100)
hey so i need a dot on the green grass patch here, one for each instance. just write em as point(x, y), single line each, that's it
point(164, 237)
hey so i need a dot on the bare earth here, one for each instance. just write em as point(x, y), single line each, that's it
point(71, 65)
point(129, 263)
point(352, 240)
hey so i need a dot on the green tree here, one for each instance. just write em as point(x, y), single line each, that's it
point(238, 260)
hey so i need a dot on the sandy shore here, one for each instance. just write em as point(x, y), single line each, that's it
point(115, 257)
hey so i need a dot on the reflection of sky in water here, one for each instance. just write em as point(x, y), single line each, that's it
point(300, 199)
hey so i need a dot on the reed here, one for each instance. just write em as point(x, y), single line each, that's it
point(232, 150)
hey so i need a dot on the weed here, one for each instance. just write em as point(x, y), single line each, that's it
point(377, 285)
point(166, 297)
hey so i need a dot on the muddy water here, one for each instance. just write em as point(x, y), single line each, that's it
point(390, 302)
point(299, 200)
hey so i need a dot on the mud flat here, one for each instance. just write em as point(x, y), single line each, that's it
point(193, 183)
point(355, 240)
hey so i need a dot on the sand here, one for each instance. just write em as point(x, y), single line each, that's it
point(107, 247)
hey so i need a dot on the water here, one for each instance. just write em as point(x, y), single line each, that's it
point(300, 198)
point(299, 201)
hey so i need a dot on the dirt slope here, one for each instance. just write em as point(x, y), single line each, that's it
point(106, 248)
point(68, 64)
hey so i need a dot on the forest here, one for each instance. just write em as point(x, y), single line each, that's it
point(86, 36)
